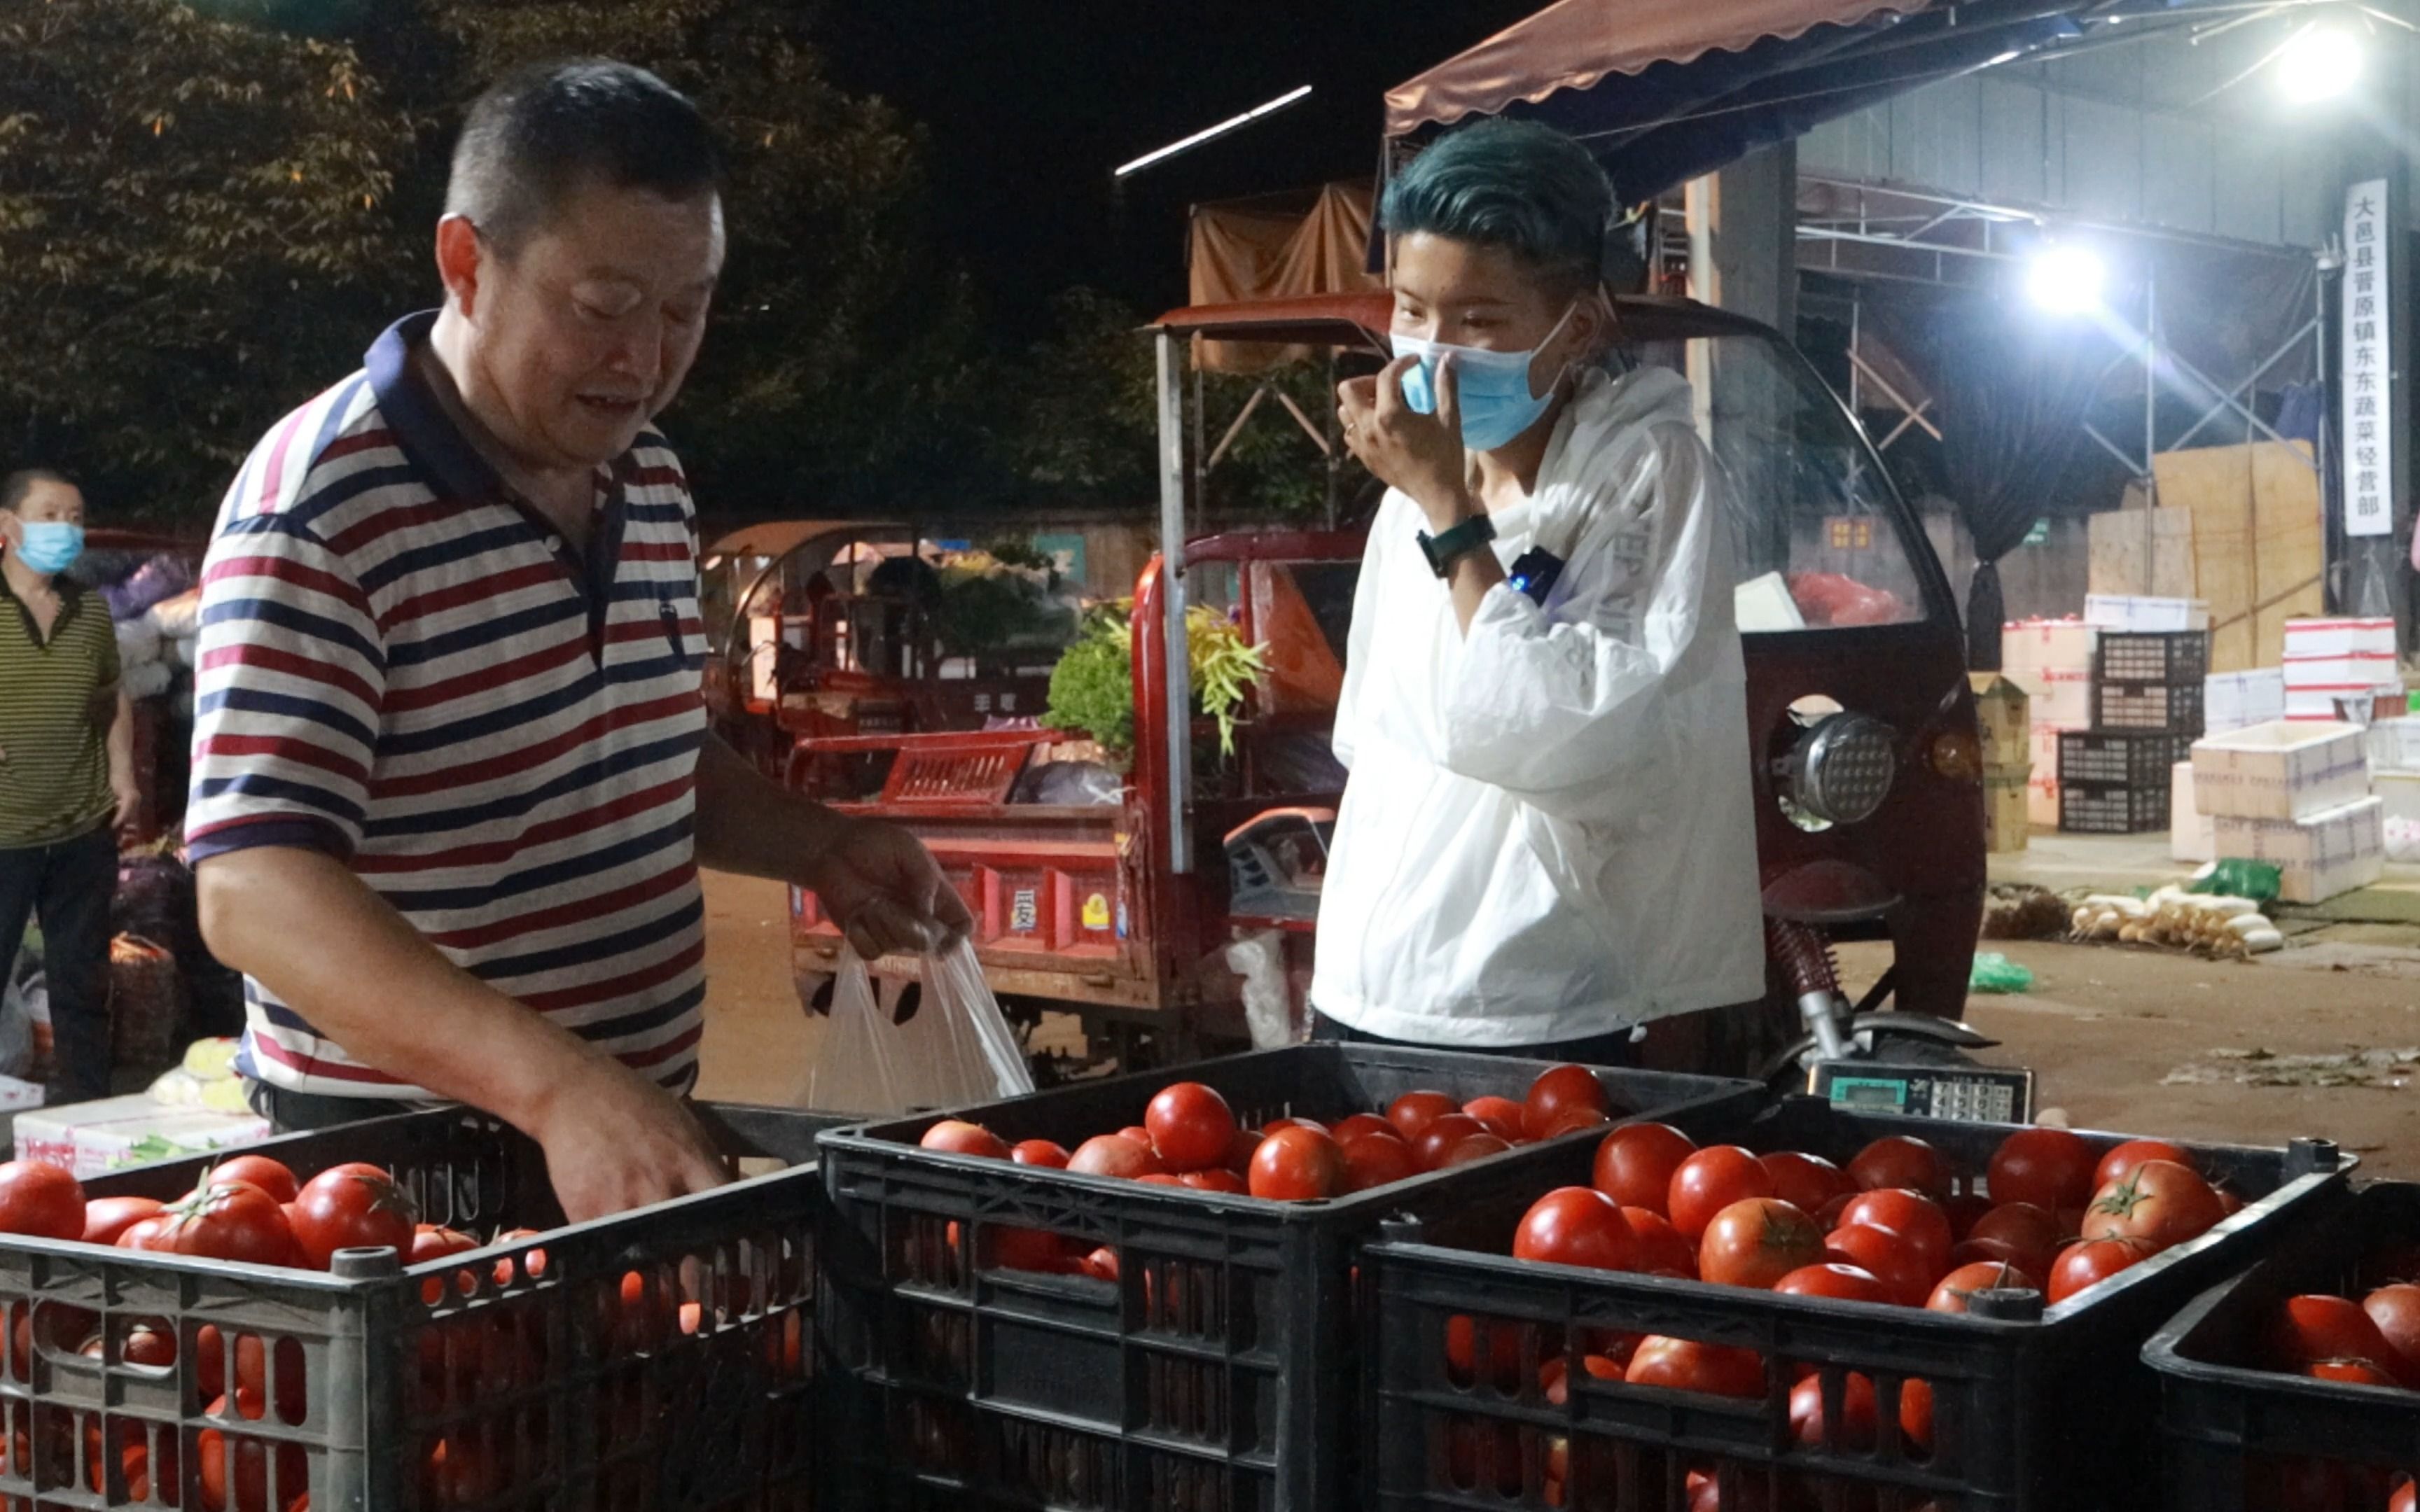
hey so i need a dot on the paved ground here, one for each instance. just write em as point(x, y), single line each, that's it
point(2122, 1037)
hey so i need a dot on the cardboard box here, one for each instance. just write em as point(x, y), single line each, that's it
point(2281, 770)
point(2320, 856)
point(2055, 696)
point(2042, 788)
point(2028, 645)
point(2002, 710)
point(2193, 836)
point(2134, 612)
point(2338, 636)
point(2231, 701)
point(2008, 819)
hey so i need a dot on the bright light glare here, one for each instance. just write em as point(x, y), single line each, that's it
point(2065, 280)
point(2320, 62)
point(1210, 132)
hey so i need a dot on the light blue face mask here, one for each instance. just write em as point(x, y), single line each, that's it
point(49, 546)
point(1492, 385)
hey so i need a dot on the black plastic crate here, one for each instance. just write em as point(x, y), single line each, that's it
point(2172, 657)
point(663, 1358)
point(2112, 809)
point(1217, 1373)
point(2171, 708)
point(2240, 1438)
point(2048, 1413)
point(2134, 758)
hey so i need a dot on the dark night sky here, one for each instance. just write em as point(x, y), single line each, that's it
point(1027, 104)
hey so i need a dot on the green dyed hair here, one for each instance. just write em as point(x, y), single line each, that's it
point(1517, 185)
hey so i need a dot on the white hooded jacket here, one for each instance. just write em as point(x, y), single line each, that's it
point(1548, 830)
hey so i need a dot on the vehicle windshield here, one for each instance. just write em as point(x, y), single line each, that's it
point(1819, 539)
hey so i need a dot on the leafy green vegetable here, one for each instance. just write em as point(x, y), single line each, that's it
point(1091, 689)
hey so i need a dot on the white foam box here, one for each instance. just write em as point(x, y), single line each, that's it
point(2394, 746)
point(168, 1134)
point(2279, 770)
point(50, 1134)
point(2231, 701)
point(2330, 705)
point(2320, 856)
point(2059, 697)
point(2399, 795)
point(2144, 615)
point(2193, 836)
point(2338, 638)
point(2031, 645)
point(2353, 670)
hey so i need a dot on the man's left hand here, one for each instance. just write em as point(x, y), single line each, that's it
point(880, 884)
point(128, 796)
point(1419, 454)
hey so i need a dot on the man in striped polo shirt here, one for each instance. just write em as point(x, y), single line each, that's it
point(452, 779)
point(67, 765)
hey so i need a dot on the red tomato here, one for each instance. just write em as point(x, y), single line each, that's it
point(1114, 1155)
point(1901, 1161)
point(1846, 1283)
point(1557, 1090)
point(1190, 1125)
point(1437, 1140)
point(1758, 1241)
point(1219, 1180)
point(2313, 1328)
point(2352, 1373)
point(1998, 1252)
point(1854, 1429)
point(150, 1343)
point(1478, 1147)
point(352, 1207)
point(1710, 1180)
point(2032, 1232)
point(1635, 1162)
point(2122, 1161)
point(230, 1220)
point(1275, 1124)
point(1348, 1130)
point(1499, 1116)
point(1375, 1161)
point(1101, 1265)
point(106, 1218)
point(431, 1243)
point(1554, 1374)
point(270, 1175)
point(1412, 1113)
point(1503, 1350)
point(1915, 1413)
point(1662, 1251)
point(2161, 1203)
point(956, 1136)
point(1573, 1119)
point(2396, 1311)
point(2051, 1168)
point(2406, 1498)
point(1686, 1365)
point(39, 1200)
point(250, 1471)
point(1298, 1165)
point(1239, 1154)
point(1159, 1178)
point(1910, 1214)
point(1806, 1182)
point(1958, 1288)
point(2090, 1262)
point(1577, 1225)
point(1965, 1210)
point(532, 1262)
point(1885, 1256)
point(1047, 1154)
point(1031, 1249)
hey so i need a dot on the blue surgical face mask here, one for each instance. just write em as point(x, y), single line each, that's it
point(1492, 385)
point(49, 546)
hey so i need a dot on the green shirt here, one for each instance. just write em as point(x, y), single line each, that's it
point(57, 700)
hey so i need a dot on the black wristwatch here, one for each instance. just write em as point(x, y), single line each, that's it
point(1444, 550)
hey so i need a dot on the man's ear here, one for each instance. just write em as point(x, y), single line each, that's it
point(460, 260)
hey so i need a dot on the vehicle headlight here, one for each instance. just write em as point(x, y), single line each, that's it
point(1841, 770)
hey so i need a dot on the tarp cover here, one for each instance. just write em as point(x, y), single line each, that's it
point(1276, 247)
point(1575, 43)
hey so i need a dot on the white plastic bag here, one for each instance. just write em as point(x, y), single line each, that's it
point(956, 1049)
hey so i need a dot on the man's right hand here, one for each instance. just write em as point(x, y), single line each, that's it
point(615, 1141)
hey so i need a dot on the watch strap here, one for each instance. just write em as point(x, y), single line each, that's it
point(1448, 547)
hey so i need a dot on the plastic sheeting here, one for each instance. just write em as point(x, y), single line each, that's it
point(1276, 247)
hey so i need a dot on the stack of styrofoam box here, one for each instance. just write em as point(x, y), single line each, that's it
point(2395, 767)
point(2149, 616)
point(2338, 658)
point(2052, 660)
point(2193, 835)
point(2233, 701)
point(89, 1138)
point(2296, 794)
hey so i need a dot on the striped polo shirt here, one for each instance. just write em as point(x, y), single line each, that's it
point(403, 664)
point(57, 700)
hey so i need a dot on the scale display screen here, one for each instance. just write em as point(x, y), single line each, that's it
point(1968, 1094)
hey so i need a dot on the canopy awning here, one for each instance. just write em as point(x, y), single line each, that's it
point(1664, 90)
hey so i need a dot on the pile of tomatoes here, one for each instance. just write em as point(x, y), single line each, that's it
point(1889, 1228)
point(2373, 1342)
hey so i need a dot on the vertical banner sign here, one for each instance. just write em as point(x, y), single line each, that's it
point(2368, 439)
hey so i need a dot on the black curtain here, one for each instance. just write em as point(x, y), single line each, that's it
point(2011, 386)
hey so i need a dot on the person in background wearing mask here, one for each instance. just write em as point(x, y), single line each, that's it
point(67, 769)
point(452, 776)
point(1548, 839)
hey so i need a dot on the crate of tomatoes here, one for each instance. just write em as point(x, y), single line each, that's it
point(1806, 1308)
point(1138, 1293)
point(2292, 1387)
point(392, 1314)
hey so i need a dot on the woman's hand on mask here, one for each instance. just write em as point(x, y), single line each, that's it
point(1420, 455)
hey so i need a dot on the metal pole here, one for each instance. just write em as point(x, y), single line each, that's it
point(2150, 386)
point(1200, 456)
point(1335, 443)
point(1179, 670)
point(2323, 442)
